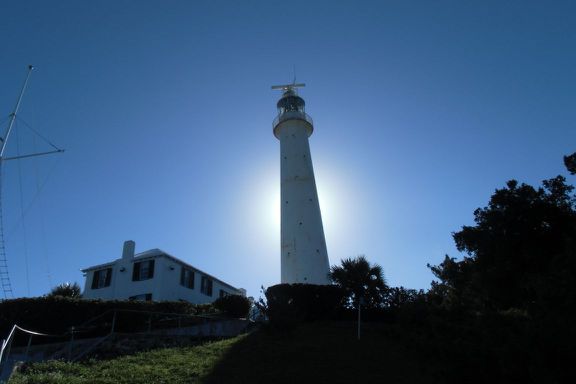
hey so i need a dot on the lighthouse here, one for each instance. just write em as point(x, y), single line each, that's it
point(304, 257)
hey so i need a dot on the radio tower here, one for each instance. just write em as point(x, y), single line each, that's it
point(4, 275)
point(304, 258)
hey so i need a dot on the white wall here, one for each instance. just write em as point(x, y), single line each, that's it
point(165, 284)
point(304, 257)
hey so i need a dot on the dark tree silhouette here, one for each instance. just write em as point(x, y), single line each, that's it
point(359, 279)
point(66, 290)
point(570, 163)
point(398, 297)
point(521, 254)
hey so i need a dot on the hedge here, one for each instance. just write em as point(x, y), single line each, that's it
point(233, 305)
point(55, 315)
point(289, 304)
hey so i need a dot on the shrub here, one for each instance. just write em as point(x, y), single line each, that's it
point(233, 305)
point(290, 304)
point(56, 314)
point(66, 290)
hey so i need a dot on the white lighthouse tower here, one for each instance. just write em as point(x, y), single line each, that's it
point(304, 258)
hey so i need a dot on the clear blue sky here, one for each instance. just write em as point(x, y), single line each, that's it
point(421, 109)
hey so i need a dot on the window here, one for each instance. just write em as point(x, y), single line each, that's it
point(187, 278)
point(143, 270)
point(102, 278)
point(206, 286)
point(223, 293)
point(142, 297)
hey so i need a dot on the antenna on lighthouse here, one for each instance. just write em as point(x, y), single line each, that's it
point(289, 87)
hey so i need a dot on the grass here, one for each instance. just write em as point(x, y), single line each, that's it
point(315, 353)
point(167, 365)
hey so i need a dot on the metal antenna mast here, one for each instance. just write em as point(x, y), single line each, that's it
point(289, 87)
point(4, 140)
point(4, 276)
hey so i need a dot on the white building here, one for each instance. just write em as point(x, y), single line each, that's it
point(304, 257)
point(153, 275)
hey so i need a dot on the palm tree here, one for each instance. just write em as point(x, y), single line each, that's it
point(360, 280)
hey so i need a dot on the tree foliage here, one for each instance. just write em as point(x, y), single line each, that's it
point(398, 297)
point(570, 163)
point(56, 314)
point(521, 252)
point(66, 290)
point(360, 279)
point(289, 305)
point(233, 305)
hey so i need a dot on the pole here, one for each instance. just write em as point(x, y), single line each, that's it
point(360, 302)
point(113, 323)
point(4, 139)
point(28, 347)
point(71, 343)
point(359, 306)
point(7, 350)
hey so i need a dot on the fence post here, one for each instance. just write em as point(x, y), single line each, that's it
point(28, 347)
point(71, 343)
point(113, 328)
point(6, 355)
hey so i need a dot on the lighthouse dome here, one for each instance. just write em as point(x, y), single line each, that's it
point(290, 102)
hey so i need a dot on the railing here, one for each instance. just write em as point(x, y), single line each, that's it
point(7, 344)
point(292, 115)
point(82, 339)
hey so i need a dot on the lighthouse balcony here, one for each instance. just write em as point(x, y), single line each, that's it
point(291, 115)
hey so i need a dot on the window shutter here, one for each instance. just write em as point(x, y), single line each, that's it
point(182, 274)
point(136, 272)
point(108, 277)
point(151, 274)
point(95, 279)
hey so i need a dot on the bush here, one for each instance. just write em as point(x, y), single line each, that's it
point(233, 305)
point(56, 314)
point(66, 290)
point(290, 304)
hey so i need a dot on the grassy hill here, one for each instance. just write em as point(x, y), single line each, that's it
point(314, 353)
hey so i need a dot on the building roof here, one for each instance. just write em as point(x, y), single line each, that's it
point(153, 254)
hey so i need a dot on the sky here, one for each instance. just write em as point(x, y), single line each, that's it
point(421, 110)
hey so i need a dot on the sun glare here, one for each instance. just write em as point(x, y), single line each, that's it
point(259, 219)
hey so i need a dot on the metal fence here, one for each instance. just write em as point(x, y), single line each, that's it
point(26, 345)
